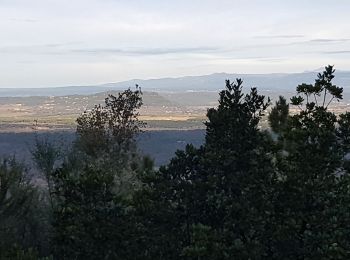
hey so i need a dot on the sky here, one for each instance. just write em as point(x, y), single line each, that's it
point(48, 43)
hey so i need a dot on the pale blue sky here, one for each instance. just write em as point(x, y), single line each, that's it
point(76, 42)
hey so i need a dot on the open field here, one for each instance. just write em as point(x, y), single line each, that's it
point(160, 110)
point(59, 123)
point(21, 114)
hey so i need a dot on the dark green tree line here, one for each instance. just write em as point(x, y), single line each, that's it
point(246, 193)
point(244, 196)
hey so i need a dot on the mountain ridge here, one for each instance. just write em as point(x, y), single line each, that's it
point(210, 82)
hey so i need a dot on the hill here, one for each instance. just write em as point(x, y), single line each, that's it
point(213, 82)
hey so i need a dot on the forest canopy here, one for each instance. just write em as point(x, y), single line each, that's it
point(245, 193)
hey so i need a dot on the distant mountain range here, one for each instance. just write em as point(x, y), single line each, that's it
point(275, 82)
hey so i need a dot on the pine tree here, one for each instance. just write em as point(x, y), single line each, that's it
point(310, 203)
point(214, 202)
point(279, 115)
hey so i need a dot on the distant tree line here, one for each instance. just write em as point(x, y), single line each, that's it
point(246, 193)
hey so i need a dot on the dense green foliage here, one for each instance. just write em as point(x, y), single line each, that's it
point(246, 193)
point(217, 199)
point(23, 229)
point(278, 115)
point(94, 185)
point(312, 201)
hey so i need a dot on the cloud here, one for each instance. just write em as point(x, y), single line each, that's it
point(272, 59)
point(39, 48)
point(321, 41)
point(25, 20)
point(328, 40)
point(149, 51)
point(287, 36)
point(337, 52)
point(56, 45)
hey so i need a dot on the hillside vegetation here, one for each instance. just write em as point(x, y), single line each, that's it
point(245, 193)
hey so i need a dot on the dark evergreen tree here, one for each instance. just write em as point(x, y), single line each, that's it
point(22, 229)
point(239, 165)
point(215, 202)
point(170, 202)
point(88, 217)
point(279, 115)
point(311, 198)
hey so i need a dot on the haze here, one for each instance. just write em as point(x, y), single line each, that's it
point(46, 43)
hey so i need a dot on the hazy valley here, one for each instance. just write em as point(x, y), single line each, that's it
point(174, 109)
point(169, 103)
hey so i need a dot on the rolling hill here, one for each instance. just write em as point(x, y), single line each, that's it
point(274, 82)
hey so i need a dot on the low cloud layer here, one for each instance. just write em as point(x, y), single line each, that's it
point(151, 51)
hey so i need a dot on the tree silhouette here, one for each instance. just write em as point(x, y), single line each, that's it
point(96, 181)
point(279, 115)
point(311, 196)
point(216, 199)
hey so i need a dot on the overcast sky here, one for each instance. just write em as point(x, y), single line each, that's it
point(77, 42)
